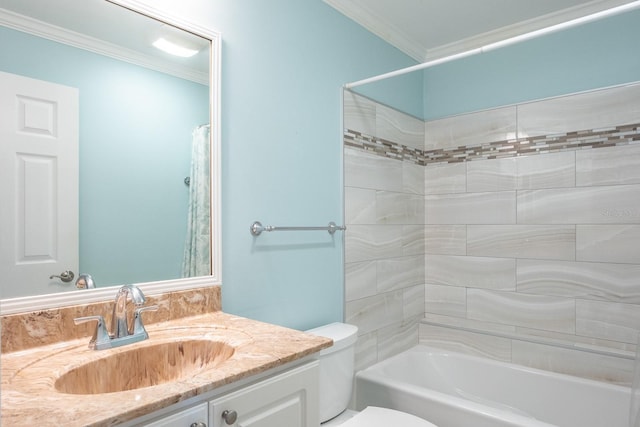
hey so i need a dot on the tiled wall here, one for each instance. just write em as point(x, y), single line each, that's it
point(384, 249)
point(531, 231)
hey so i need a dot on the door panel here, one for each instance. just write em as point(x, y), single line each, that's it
point(39, 185)
point(36, 209)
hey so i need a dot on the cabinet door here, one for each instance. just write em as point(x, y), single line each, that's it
point(186, 417)
point(289, 399)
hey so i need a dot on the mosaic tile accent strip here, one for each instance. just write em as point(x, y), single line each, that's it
point(570, 141)
point(382, 147)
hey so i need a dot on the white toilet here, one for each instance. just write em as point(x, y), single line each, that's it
point(336, 383)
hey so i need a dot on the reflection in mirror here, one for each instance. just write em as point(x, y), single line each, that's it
point(137, 166)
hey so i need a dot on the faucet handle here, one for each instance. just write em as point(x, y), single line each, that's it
point(138, 326)
point(100, 334)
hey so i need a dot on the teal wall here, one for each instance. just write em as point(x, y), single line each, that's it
point(283, 66)
point(599, 54)
point(404, 93)
point(133, 206)
point(284, 62)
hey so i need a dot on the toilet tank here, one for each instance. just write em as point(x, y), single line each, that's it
point(336, 368)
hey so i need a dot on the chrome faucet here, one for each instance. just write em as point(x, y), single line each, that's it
point(119, 322)
point(121, 333)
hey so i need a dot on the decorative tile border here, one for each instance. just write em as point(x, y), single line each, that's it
point(383, 147)
point(570, 141)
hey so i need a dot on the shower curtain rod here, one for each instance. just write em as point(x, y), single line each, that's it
point(496, 45)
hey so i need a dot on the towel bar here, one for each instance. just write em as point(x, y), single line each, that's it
point(257, 228)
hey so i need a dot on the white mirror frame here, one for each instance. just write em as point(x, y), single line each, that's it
point(42, 302)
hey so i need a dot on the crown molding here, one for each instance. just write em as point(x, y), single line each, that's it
point(71, 38)
point(377, 25)
point(416, 50)
point(520, 28)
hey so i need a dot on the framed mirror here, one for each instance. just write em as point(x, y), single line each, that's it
point(147, 167)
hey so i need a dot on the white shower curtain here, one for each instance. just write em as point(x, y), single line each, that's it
point(197, 255)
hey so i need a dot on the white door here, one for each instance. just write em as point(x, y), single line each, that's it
point(38, 186)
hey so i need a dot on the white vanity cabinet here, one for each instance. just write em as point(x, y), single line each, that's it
point(196, 415)
point(289, 398)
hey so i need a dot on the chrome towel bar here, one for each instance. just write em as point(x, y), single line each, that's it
point(257, 228)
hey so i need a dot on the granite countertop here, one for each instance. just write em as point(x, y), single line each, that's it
point(29, 396)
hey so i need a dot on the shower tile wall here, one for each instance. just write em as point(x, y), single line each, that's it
point(530, 229)
point(384, 213)
point(534, 250)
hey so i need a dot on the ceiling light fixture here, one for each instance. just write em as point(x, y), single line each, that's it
point(174, 49)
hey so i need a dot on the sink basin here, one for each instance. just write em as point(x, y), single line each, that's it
point(144, 367)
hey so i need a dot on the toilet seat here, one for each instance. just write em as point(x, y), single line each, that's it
point(372, 416)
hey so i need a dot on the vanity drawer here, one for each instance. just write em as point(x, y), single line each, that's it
point(185, 418)
point(288, 399)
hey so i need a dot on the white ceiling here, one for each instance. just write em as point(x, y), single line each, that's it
point(423, 29)
point(431, 29)
point(108, 29)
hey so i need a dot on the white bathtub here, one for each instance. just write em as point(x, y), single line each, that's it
point(456, 390)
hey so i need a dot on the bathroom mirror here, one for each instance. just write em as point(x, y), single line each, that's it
point(135, 137)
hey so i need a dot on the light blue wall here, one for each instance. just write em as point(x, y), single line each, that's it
point(133, 207)
point(284, 63)
point(404, 93)
point(598, 54)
